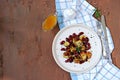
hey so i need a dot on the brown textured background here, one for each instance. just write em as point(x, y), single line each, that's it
point(26, 49)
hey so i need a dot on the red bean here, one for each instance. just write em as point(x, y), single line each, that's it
point(74, 34)
point(69, 60)
point(87, 39)
point(82, 61)
point(80, 33)
point(87, 46)
point(62, 42)
point(67, 39)
point(63, 49)
point(70, 37)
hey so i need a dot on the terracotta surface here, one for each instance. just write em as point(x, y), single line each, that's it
point(26, 49)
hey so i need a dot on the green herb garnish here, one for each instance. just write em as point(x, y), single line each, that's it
point(97, 13)
point(78, 49)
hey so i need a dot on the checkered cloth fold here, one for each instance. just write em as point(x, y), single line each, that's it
point(84, 11)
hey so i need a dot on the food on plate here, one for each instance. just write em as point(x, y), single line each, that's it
point(76, 48)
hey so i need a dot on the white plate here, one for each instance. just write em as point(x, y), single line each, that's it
point(94, 40)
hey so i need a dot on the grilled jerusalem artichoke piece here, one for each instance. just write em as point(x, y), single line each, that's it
point(66, 44)
point(89, 54)
point(83, 56)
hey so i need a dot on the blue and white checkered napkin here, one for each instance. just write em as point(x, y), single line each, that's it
point(84, 12)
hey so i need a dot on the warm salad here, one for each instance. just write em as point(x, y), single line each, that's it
point(76, 48)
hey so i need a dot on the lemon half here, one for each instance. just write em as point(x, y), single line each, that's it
point(49, 23)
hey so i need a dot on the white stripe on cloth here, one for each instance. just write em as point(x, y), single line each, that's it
point(84, 12)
